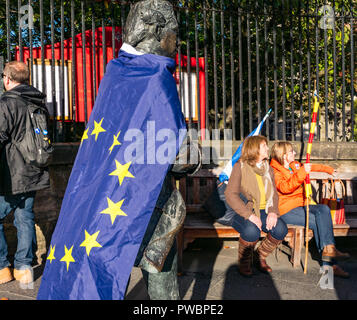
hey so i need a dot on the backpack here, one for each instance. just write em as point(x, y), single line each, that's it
point(35, 146)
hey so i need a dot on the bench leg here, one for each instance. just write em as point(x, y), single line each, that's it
point(298, 242)
point(179, 241)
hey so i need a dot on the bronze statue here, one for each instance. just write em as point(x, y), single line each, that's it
point(151, 27)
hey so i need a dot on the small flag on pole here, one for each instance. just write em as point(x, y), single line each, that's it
point(226, 173)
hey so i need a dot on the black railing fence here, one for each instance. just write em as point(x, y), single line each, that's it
point(236, 60)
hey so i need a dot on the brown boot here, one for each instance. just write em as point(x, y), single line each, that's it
point(245, 255)
point(330, 252)
point(339, 272)
point(5, 275)
point(266, 247)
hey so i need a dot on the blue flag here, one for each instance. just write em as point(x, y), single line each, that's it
point(226, 173)
point(132, 138)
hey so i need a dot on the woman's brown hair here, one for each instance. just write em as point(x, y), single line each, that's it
point(251, 149)
point(279, 149)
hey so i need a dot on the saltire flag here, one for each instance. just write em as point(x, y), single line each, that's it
point(131, 139)
point(226, 173)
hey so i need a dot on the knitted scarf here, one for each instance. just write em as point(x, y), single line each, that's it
point(250, 184)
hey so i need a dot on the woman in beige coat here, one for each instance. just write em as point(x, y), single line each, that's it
point(252, 194)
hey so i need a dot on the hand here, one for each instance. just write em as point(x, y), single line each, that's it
point(256, 220)
point(272, 219)
point(307, 167)
point(217, 171)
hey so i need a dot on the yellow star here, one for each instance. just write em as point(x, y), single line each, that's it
point(68, 256)
point(97, 129)
point(85, 135)
point(51, 256)
point(122, 171)
point(90, 241)
point(114, 209)
point(115, 142)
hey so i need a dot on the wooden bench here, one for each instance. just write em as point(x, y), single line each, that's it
point(195, 189)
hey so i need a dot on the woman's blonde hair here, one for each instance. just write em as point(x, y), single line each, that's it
point(279, 149)
point(251, 149)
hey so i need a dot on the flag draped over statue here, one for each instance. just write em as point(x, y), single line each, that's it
point(131, 138)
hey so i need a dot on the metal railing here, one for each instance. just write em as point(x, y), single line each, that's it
point(236, 59)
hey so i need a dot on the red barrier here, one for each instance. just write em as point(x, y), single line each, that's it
point(79, 88)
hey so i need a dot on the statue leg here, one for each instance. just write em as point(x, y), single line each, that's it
point(164, 285)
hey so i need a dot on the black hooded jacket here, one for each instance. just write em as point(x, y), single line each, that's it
point(16, 176)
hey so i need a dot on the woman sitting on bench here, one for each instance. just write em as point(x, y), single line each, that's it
point(289, 179)
point(253, 178)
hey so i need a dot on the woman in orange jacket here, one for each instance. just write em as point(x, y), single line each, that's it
point(289, 179)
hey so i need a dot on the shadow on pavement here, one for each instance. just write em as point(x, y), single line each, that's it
point(199, 273)
point(259, 287)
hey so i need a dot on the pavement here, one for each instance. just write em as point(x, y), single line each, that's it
point(210, 273)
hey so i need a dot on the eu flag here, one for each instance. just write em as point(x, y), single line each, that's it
point(132, 138)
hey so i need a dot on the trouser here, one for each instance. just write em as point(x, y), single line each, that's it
point(251, 233)
point(319, 221)
point(22, 204)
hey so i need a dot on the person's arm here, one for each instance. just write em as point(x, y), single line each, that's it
point(275, 207)
point(322, 168)
point(289, 183)
point(273, 210)
point(188, 159)
point(4, 125)
point(233, 191)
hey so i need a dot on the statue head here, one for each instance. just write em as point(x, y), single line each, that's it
point(151, 27)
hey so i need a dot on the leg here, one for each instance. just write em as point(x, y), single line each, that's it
point(323, 222)
point(279, 231)
point(26, 236)
point(6, 206)
point(249, 236)
point(297, 216)
point(274, 237)
point(247, 229)
point(163, 285)
point(325, 230)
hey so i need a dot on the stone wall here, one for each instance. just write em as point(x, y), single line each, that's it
point(48, 202)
